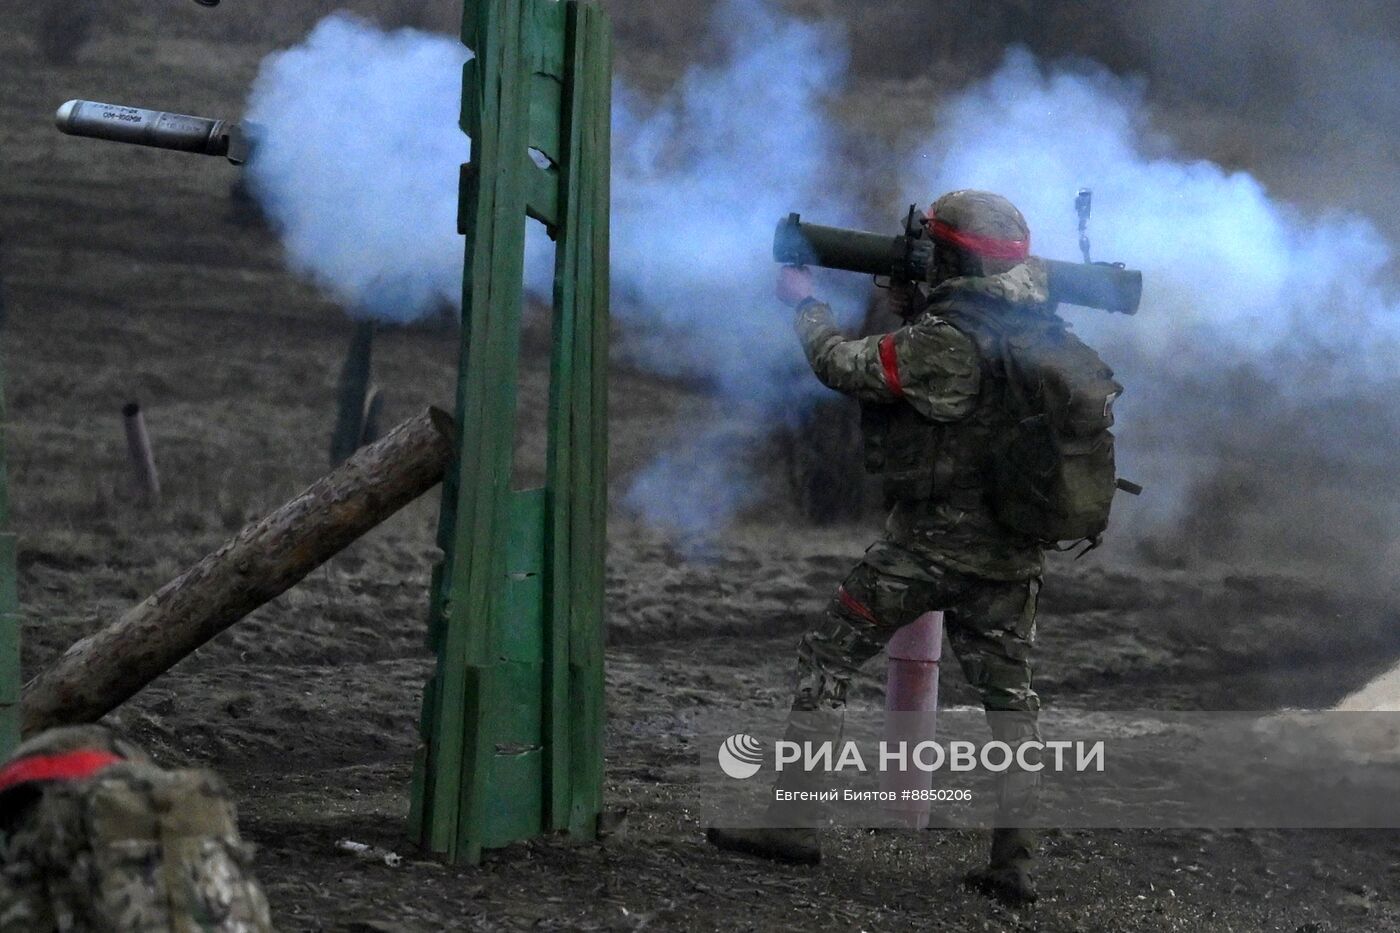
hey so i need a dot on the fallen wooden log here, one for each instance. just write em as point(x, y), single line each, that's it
point(264, 560)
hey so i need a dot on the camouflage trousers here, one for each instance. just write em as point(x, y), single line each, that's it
point(990, 625)
point(133, 850)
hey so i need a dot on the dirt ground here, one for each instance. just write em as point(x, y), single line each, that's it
point(128, 276)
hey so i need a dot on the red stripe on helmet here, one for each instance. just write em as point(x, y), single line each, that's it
point(984, 246)
point(70, 766)
point(889, 362)
point(855, 606)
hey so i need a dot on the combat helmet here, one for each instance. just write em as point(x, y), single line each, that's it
point(67, 739)
point(67, 753)
point(976, 233)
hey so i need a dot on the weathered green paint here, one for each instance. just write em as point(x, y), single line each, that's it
point(580, 425)
point(512, 720)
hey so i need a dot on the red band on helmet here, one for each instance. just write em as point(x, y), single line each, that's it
point(985, 246)
point(72, 766)
point(889, 362)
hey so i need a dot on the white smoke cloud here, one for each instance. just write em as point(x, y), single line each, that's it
point(1221, 259)
point(357, 164)
point(701, 178)
point(1260, 368)
point(358, 167)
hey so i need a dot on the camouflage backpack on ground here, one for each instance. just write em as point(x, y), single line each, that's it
point(96, 838)
point(1053, 475)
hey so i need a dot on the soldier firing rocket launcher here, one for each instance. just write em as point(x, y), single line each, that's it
point(906, 258)
point(156, 129)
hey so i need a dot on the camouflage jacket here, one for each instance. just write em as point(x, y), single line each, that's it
point(132, 850)
point(926, 384)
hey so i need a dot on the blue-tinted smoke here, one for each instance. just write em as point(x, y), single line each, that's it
point(358, 168)
point(701, 177)
point(357, 164)
point(1260, 368)
point(1222, 260)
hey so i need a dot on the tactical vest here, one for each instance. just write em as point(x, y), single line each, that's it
point(95, 842)
point(1035, 451)
point(919, 460)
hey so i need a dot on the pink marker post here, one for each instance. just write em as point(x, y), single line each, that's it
point(911, 688)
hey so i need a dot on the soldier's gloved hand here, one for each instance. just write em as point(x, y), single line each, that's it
point(794, 285)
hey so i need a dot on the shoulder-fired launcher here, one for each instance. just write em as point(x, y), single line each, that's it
point(906, 257)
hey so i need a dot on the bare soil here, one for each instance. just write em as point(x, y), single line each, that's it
point(129, 277)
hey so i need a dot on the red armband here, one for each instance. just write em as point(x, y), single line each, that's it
point(889, 362)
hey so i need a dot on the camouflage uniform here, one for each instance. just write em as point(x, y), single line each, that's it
point(130, 848)
point(934, 406)
point(943, 548)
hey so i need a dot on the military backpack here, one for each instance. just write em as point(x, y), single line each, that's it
point(1053, 475)
point(94, 842)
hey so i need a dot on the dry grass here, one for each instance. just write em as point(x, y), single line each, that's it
point(127, 279)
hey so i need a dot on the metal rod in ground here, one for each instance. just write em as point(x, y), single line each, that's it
point(372, 425)
point(263, 561)
point(351, 394)
point(138, 449)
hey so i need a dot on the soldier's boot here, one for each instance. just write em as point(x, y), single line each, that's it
point(791, 833)
point(792, 828)
point(1007, 877)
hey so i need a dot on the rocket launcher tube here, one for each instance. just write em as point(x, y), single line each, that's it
point(807, 244)
point(153, 128)
point(1091, 285)
point(1102, 285)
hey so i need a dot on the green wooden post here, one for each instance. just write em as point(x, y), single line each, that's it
point(9, 609)
point(512, 725)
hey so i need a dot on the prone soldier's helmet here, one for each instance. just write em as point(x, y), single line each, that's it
point(65, 740)
point(67, 753)
point(976, 233)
